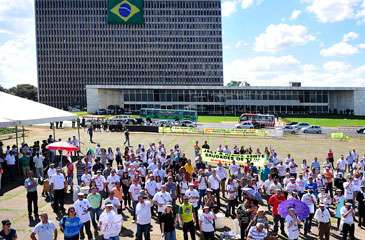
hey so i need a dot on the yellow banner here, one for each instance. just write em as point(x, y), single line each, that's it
point(213, 158)
point(238, 132)
point(339, 136)
point(178, 130)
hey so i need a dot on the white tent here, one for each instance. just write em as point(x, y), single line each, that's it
point(17, 111)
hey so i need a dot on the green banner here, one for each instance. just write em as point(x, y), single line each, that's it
point(339, 136)
point(125, 12)
point(213, 158)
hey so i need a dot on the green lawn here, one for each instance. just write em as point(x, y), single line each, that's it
point(329, 122)
point(217, 119)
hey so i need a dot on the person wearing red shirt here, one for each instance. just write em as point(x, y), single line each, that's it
point(274, 201)
point(330, 158)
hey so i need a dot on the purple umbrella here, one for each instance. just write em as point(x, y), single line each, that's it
point(300, 208)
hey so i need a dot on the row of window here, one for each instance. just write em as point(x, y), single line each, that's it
point(147, 4)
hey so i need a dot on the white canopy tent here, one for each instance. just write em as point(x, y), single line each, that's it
point(17, 111)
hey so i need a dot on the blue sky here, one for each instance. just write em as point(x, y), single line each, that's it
point(265, 42)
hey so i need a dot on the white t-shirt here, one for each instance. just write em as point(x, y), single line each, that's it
point(44, 231)
point(310, 200)
point(112, 181)
point(100, 181)
point(162, 199)
point(81, 207)
point(58, 181)
point(231, 191)
point(86, 179)
point(193, 197)
point(50, 172)
point(290, 187)
point(293, 231)
point(110, 224)
point(38, 161)
point(115, 201)
point(349, 219)
point(349, 190)
point(341, 164)
point(300, 185)
point(221, 172)
point(143, 213)
point(203, 183)
point(214, 182)
point(183, 187)
point(234, 169)
point(135, 189)
point(151, 187)
point(281, 170)
point(207, 220)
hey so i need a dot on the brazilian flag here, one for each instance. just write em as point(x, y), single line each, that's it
point(125, 12)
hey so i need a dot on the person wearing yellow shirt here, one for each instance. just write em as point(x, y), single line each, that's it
point(189, 168)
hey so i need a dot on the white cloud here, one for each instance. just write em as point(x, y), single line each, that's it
point(336, 66)
point(279, 71)
point(339, 49)
point(361, 46)
point(246, 3)
point(17, 50)
point(228, 8)
point(295, 14)
point(330, 11)
point(350, 36)
point(240, 44)
point(278, 37)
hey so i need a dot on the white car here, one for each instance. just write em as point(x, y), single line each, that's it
point(312, 129)
point(187, 123)
point(246, 125)
point(290, 129)
point(301, 125)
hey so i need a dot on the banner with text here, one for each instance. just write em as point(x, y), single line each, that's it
point(190, 130)
point(213, 158)
point(237, 132)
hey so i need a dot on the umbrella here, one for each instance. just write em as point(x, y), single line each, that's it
point(253, 194)
point(62, 146)
point(90, 151)
point(300, 208)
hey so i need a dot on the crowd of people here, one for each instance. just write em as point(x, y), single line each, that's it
point(153, 183)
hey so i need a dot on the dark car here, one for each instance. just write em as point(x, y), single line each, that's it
point(361, 130)
point(101, 111)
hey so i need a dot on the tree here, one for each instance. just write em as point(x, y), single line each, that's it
point(2, 89)
point(238, 84)
point(25, 90)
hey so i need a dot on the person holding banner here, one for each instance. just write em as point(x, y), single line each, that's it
point(110, 223)
point(222, 174)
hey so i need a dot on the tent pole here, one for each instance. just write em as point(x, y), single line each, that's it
point(16, 136)
point(54, 132)
point(23, 134)
point(78, 131)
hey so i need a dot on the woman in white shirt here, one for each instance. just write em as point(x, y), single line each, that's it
point(206, 223)
point(292, 224)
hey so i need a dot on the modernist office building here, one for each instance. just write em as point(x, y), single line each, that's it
point(178, 42)
point(230, 101)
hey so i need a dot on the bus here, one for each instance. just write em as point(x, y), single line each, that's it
point(264, 120)
point(153, 113)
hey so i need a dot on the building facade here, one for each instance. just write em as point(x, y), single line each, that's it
point(179, 43)
point(230, 101)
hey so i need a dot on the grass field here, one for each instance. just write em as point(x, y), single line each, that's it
point(217, 119)
point(329, 122)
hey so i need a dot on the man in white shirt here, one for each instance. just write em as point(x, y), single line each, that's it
point(82, 208)
point(161, 199)
point(222, 174)
point(151, 186)
point(143, 217)
point(85, 178)
point(233, 168)
point(100, 181)
point(58, 186)
point(44, 230)
point(110, 223)
point(323, 218)
point(114, 201)
point(310, 199)
point(341, 164)
point(38, 164)
point(134, 191)
point(213, 183)
point(347, 219)
point(51, 171)
point(112, 180)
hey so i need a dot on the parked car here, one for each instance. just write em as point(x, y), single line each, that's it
point(291, 124)
point(312, 129)
point(290, 129)
point(361, 130)
point(101, 111)
point(302, 125)
point(245, 125)
point(187, 123)
point(120, 117)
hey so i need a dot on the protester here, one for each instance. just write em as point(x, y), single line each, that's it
point(82, 207)
point(186, 218)
point(347, 221)
point(292, 224)
point(71, 225)
point(323, 218)
point(30, 185)
point(110, 223)
point(257, 232)
point(143, 217)
point(168, 221)
point(58, 186)
point(206, 223)
point(7, 233)
point(44, 230)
